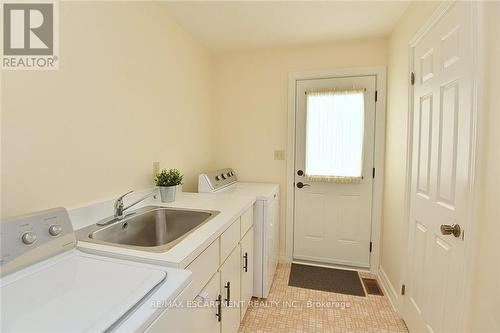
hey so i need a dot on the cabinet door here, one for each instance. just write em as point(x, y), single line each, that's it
point(174, 319)
point(206, 311)
point(230, 288)
point(247, 270)
point(271, 245)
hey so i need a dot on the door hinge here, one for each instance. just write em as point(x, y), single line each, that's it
point(373, 172)
point(370, 247)
point(376, 95)
point(403, 289)
point(412, 78)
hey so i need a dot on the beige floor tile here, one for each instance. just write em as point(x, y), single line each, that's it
point(291, 309)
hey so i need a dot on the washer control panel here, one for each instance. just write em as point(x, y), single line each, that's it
point(22, 234)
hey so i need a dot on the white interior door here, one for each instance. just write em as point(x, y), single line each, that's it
point(334, 137)
point(441, 163)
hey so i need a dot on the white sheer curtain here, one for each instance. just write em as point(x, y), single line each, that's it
point(334, 135)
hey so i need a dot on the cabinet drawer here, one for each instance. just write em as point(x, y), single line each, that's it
point(246, 221)
point(229, 239)
point(203, 267)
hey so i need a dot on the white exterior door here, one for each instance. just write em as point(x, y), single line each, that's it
point(332, 220)
point(441, 166)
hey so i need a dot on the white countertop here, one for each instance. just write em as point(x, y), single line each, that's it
point(229, 205)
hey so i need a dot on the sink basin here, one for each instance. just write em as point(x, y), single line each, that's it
point(150, 228)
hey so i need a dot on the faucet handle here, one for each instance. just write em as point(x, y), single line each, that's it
point(120, 198)
point(119, 205)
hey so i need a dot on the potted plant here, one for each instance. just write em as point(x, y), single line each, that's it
point(168, 180)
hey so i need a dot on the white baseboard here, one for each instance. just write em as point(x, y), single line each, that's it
point(285, 259)
point(389, 290)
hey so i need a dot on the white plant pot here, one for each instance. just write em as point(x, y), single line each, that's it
point(167, 193)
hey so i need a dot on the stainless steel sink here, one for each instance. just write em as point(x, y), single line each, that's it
point(151, 228)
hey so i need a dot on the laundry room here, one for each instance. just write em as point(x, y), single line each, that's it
point(249, 166)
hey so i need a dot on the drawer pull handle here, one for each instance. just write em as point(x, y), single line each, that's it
point(245, 266)
point(228, 293)
point(219, 308)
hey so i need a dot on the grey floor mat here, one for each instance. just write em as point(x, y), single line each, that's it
point(326, 279)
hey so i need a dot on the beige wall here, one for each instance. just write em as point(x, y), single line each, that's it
point(485, 312)
point(250, 103)
point(132, 88)
point(394, 227)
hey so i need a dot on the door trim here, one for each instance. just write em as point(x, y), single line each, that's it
point(474, 175)
point(380, 107)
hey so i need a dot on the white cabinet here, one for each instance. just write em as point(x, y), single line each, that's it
point(231, 289)
point(225, 269)
point(247, 268)
point(208, 307)
point(175, 319)
point(203, 268)
point(246, 221)
point(229, 239)
point(271, 244)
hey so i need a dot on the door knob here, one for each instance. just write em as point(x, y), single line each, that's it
point(453, 229)
point(301, 185)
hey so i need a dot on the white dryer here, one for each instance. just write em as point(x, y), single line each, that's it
point(266, 221)
point(48, 285)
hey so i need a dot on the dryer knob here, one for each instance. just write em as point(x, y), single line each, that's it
point(217, 178)
point(223, 176)
point(28, 238)
point(55, 229)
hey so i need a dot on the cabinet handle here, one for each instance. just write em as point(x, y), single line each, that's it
point(228, 293)
point(245, 266)
point(219, 308)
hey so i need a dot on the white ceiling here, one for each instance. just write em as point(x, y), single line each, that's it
point(231, 25)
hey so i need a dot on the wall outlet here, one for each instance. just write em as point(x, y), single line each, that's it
point(279, 155)
point(156, 168)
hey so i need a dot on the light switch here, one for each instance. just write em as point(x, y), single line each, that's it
point(279, 155)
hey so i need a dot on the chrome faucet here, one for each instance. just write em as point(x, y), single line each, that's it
point(120, 209)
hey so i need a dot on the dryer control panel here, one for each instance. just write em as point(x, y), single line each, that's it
point(214, 181)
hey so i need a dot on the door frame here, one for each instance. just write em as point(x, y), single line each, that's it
point(474, 175)
point(379, 152)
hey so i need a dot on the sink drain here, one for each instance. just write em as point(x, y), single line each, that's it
point(125, 225)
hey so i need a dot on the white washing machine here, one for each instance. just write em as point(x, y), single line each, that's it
point(47, 285)
point(266, 221)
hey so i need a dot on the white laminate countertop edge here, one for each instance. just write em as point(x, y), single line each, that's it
point(230, 206)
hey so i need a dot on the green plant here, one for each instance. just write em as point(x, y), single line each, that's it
point(171, 177)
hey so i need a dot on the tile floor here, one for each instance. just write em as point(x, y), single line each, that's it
point(291, 309)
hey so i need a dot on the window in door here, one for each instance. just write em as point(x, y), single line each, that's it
point(334, 135)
